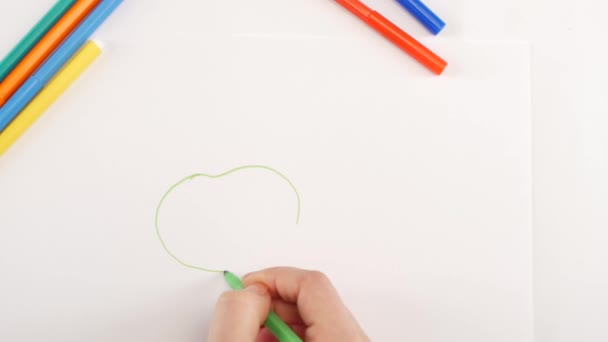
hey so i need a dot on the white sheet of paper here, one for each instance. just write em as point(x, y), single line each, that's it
point(415, 188)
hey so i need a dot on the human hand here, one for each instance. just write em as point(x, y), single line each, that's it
point(305, 300)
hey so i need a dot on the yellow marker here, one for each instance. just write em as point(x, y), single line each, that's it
point(70, 72)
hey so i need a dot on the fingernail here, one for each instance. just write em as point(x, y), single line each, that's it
point(258, 289)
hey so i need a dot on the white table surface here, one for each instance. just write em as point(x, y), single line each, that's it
point(570, 145)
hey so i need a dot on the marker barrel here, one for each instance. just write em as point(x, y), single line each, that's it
point(396, 35)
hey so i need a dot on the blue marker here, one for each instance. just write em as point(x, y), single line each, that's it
point(419, 10)
point(56, 61)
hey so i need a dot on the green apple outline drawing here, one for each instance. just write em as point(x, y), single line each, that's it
point(221, 175)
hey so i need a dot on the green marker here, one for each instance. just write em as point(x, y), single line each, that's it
point(33, 37)
point(274, 323)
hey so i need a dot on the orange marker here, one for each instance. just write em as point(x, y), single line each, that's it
point(45, 47)
point(396, 35)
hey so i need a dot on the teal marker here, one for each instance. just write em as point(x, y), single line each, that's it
point(274, 323)
point(33, 37)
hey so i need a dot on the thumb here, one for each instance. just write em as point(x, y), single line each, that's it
point(240, 314)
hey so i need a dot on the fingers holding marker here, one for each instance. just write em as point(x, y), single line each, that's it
point(240, 314)
point(287, 311)
point(267, 336)
point(306, 300)
point(323, 313)
point(316, 299)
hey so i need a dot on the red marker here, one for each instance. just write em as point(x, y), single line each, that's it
point(396, 35)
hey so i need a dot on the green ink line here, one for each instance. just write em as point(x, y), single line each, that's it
point(197, 175)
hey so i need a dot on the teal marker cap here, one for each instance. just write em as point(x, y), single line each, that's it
point(274, 323)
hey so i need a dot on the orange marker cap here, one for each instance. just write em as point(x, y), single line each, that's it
point(45, 47)
point(396, 35)
point(407, 43)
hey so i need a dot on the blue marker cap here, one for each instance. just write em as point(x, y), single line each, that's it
point(419, 10)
